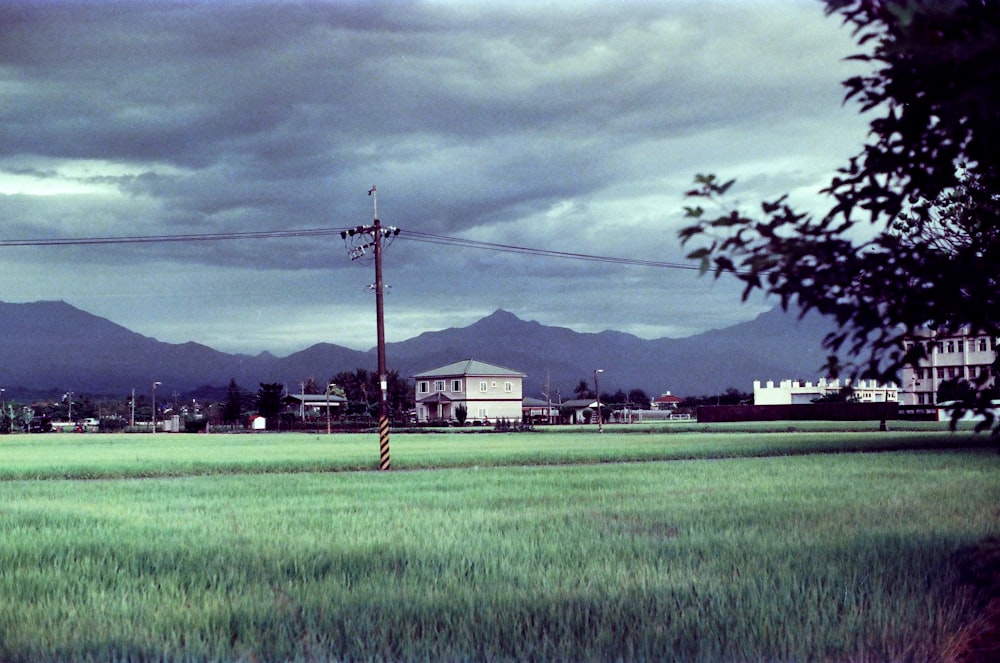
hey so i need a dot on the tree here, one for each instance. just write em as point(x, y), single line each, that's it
point(955, 390)
point(639, 399)
point(362, 390)
point(359, 386)
point(232, 409)
point(583, 390)
point(731, 396)
point(911, 238)
point(843, 395)
point(617, 398)
point(461, 414)
point(269, 402)
point(401, 396)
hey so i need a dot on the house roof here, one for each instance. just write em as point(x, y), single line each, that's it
point(470, 367)
point(315, 399)
point(667, 398)
point(436, 397)
point(581, 403)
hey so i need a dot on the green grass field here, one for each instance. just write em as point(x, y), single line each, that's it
point(542, 546)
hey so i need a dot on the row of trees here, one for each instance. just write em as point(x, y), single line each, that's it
point(360, 387)
point(635, 399)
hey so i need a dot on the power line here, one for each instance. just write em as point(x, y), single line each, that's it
point(414, 236)
point(153, 239)
point(510, 248)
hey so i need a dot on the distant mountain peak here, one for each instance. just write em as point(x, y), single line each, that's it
point(499, 320)
point(501, 315)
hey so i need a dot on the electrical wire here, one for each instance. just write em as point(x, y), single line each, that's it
point(509, 248)
point(319, 232)
point(151, 239)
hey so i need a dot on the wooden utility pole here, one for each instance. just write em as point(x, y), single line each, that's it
point(361, 239)
point(383, 374)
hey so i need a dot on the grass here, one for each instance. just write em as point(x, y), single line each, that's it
point(794, 557)
point(69, 456)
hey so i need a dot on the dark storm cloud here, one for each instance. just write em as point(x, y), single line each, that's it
point(566, 125)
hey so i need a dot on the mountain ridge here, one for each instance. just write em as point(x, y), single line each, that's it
point(53, 347)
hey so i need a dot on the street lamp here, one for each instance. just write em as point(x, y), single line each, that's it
point(155, 385)
point(597, 389)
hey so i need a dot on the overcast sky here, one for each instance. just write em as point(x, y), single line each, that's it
point(564, 126)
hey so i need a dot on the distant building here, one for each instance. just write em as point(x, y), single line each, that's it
point(665, 402)
point(537, 411)
point(488, 392)
point(579, 410)
point(960, 356)
point(789, 392)
point(314, 405)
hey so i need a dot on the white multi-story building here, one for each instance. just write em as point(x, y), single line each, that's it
point(789, 392)
point(488, 392)
point(960, 356)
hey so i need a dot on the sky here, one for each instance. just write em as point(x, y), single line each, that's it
point(561, 126)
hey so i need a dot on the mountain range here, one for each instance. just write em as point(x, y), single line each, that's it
point(52, 347)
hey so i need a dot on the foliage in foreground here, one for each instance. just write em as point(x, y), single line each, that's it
point(912, 236)
point(817, 557)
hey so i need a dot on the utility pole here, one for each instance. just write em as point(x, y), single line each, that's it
point(548, 399)
point(597, 390)
point(359, 240)
point(155, 385)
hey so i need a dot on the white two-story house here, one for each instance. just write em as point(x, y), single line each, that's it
point(487, 391)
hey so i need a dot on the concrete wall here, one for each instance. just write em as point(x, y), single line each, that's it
point(799, 412)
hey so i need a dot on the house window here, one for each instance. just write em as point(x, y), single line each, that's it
point(456, 385)
point(951, 346)
point(482, 413)
point(439, 385)
point(422, 387)
point(982, 345)
point(960, 346)
point(483, 386)
point(508, 387)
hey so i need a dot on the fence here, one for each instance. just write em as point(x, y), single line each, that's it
point(799, 412)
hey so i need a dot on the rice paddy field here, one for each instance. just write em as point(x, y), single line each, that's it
point(720, 544)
